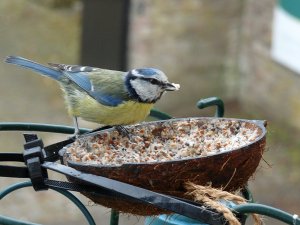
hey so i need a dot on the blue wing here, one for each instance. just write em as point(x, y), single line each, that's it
point(79, 75)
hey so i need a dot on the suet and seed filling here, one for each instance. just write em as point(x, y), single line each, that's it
point(168, 141)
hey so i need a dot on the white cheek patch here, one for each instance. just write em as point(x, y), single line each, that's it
point(145, 90)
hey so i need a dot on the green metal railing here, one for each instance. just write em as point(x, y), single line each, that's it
point(212, 101)
point(10, 221)
point(267, 211)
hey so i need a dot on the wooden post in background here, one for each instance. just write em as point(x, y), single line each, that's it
point(104, 33)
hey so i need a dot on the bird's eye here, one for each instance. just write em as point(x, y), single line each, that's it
point(153, 81)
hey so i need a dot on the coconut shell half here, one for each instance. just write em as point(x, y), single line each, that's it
point(229, 169)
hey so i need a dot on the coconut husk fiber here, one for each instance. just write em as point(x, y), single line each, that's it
point(213, 197)
point(228, 170)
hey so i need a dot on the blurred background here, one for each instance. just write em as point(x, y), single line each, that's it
point(243, 51)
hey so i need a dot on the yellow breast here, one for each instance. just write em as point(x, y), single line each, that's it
point(130, 112)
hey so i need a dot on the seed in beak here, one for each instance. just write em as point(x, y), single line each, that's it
point(171, 87)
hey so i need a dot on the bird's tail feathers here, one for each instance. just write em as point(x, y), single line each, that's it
point(47, 71)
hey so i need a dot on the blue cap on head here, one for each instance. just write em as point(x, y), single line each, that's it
point(147, 71)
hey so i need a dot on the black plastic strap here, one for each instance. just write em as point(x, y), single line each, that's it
point(80, 188)
point(142, 195)
point(34, 147)
point(51, 151)
point(12, 171)
point(11, 157)
point(32, 141)
point(33, 158)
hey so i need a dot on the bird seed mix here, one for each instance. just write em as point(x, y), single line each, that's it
point(163, 142)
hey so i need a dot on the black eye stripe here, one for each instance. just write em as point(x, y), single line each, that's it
point(152, 80)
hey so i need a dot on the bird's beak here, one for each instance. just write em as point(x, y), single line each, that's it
point(171, 87)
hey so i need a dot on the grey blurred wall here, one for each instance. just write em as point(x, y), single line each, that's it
point(190, 41)
point(264, 83)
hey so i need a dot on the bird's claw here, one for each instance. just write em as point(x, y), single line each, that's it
point(122, 130)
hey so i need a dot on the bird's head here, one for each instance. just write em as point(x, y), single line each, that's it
point(148, 84)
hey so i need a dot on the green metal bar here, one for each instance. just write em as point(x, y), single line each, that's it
point(78, 203)
point(159, 115)
point(268, 211)
point(20, 126)
point(114, 217)
point(14, 187)
point(15, 126)
point(203, 103)
point(4, 220)
point(67, 194)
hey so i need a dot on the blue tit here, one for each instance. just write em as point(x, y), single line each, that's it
point(104, 96)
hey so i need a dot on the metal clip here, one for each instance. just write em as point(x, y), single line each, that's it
point(33, 158)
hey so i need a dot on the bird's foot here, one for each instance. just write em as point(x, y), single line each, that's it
point(75, 135)
point(123, 131)
point(76, 129)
